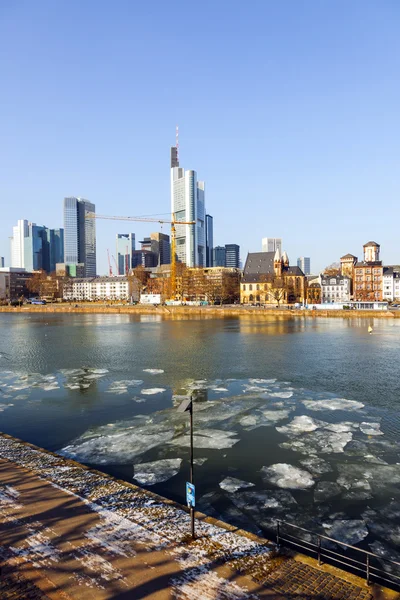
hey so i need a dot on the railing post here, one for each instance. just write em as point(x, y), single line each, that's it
point(319, 550)
point(368, 574)
point(277, 534)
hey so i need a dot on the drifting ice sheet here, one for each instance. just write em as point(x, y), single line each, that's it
point(152, 391)
point(216, 439)
point(300, 425)
point(332, 404)
point(287, 476)
point(157, 471)
point(154, 371)
point(231, 484)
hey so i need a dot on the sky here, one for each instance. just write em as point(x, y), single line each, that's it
point(288, 110)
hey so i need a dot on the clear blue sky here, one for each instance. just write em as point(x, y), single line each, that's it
point(288, 110)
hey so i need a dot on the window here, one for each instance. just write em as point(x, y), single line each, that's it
point(244, 287)
point(251, 298)
point(265, 288)
point(257, 287)
point(250, 287)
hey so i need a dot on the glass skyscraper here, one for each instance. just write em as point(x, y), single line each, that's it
point(209, 241)
point(232, 255)
point(125, 249)
point(36, 247)
point(80, 234)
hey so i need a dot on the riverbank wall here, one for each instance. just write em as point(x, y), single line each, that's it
point(183, 312)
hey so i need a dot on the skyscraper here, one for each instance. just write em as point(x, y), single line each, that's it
point(161, 246)
point(80, 234)
point(304, 263)
point(36, 247)
point(187, 204)
point(272, 244)
point(232, 255)
point(209, 241)
point(219, 256)
point(125, 250)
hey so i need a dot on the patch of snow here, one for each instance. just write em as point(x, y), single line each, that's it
point(286, 476)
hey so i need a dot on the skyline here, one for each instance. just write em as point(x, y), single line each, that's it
point(293, 126)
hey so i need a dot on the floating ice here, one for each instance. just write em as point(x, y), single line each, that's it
point(121, 386)
point(385, 551)
point(376, 477)
point(98, 371)
point(317, 466)
point(281, 394)
point(371, 428)
point(319, 441)
point(199, 461)
point(257, 381)
point(154, 371)
point(287, 476)
point(216, 439)
point(333, 404)
point(326, 489)
point(349, 531)
point(152, 391)
point(248, 420)
point(231, 484)
point(342, 427)
point(157, 471)
point(4, 406)
point(300, 425)
point(219, 389)
point(94, 375)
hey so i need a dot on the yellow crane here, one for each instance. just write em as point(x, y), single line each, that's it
point(171, 222)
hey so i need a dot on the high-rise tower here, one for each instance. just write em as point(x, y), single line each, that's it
point(80, 234)
point(188, 204)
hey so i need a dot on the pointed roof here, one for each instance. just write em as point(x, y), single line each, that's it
point(285, 257)
point(277, 255)
point(371, 244)
point(348, 256)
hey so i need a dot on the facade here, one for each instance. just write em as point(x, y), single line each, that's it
point(144, 258)
point(1, 262)
point(269, 279)
point(80, 234)
point(213, 285)
point(209, 240)
point(335, 288)
point(36, 247)
point(271, 244)
point(368, 275)
point(391, 283)
point(98, 288)
point(13, 283)
point(347, 263)
point(232, 258)
point(219, 256)
point(304, 263)
point(161, 247)
point(188, 204)
point(125, 243)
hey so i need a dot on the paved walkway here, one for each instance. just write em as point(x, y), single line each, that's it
point(67, 532)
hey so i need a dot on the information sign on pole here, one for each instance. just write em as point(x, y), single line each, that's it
point(190, 495)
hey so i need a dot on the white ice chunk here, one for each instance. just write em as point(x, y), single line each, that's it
point(219, 389)
point(157, 471)
point(317, 466)
point(154, 371)
point(281, 394)
point(371, 428)
point(349, 531)
point(207, 438)
point(152, 391)
point(318, 442)
point(99, 371)
point(260, 381)
point(300, 425)
point(288, 477)
point(342, 427)
point(333, 404)
point(199, 461)
point(231, 484)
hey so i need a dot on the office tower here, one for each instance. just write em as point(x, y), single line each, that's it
point(36, 247)
point(162, 248)
point(272, 244)
point(20, 232)
point(219, 256)
point(232, 255)
point(187, 204)
point(304, 263)
point(1, 262)
point(80, 234)
point(209, 241)
point(125, 250)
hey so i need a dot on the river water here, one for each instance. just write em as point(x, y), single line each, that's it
point(298, 420)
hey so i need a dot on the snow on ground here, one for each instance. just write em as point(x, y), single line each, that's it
point(158, 471)
point(286, 476)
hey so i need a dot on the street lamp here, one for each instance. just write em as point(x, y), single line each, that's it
point(187, 405)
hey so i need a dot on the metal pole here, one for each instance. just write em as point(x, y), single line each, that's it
point(368, 576)
point(277, 534)
point(319, 551)
point(191, 464)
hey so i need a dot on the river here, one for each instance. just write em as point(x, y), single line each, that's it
point(294, 419)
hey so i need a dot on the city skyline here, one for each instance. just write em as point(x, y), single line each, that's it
point(289, 140)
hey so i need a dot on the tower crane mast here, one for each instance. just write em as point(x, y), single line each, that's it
point(171, 222)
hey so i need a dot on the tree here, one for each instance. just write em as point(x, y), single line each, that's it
point(37, 283)
point(332, 270)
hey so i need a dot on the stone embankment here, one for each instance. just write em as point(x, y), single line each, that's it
point(184, 312)
point(71, 532)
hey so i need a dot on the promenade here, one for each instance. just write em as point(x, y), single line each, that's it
point(69, 532)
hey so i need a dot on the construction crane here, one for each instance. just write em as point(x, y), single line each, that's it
point(172, 222)
point(109, 264)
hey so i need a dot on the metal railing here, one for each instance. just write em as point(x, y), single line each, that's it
point(365, 568)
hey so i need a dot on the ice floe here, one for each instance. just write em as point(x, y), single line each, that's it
point(302, 424)
point(152, 391)
point(333, 404)
point(154, 371)
point(231, 484)
point(157, 471)
point(349, 531)
point(216, 439)
point(316, 465)
point(287, 476)
point(121, 386)
point(371, 428)
point(326, 489)
point(319, 442)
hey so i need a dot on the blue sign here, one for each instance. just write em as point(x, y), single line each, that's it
point(190, 494)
